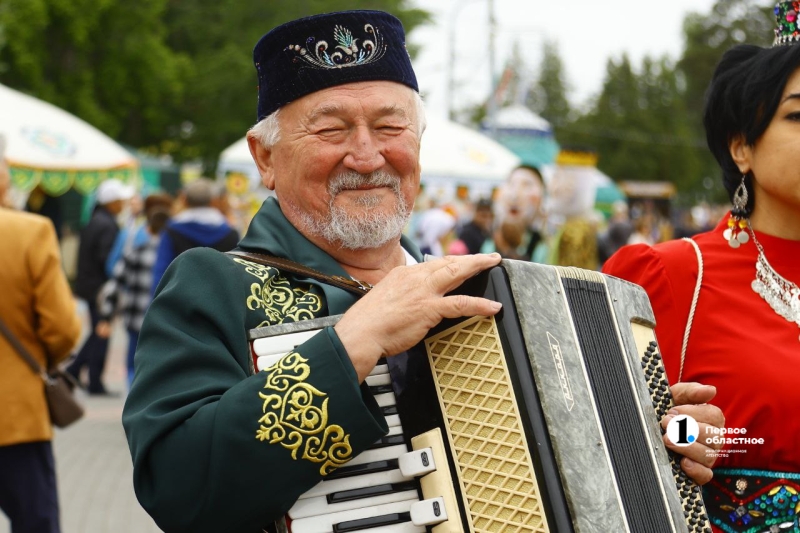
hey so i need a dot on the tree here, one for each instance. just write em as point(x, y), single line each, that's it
point(549, 95)
point(638, 126)
point(106, 61)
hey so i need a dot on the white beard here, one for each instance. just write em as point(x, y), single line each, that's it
point(364, 230)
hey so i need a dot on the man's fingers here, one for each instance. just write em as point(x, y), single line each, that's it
point(448, 273)
point(460, 305)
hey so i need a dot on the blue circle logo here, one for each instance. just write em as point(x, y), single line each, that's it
point(683, 430)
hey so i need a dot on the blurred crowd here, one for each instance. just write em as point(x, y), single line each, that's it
point(551, 221)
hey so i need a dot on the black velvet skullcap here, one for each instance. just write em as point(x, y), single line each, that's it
point(321, 51)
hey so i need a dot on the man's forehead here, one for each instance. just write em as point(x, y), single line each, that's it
point(375, 98)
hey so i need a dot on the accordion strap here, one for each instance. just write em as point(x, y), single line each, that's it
point(693, 308)
point(348, 284)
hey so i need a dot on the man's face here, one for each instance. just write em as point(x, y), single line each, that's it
point(348, 157)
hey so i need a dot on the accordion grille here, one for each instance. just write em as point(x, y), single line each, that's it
point(493, 461)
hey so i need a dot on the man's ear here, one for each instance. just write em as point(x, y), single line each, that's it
point(263, 159)
point(741, 153)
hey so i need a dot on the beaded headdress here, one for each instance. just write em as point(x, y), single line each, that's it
point(313, 53)
point(787, 31)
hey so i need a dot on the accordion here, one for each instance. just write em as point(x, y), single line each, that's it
point(542, 418)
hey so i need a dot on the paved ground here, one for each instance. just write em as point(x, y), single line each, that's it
point(94, 465)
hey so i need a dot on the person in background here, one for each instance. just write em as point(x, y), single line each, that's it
point(201, 224)
point(617, 232)
point(38, 308)
point(219, 444)
point(133, 233)
point(96, 241)
point(128, 292)
point(476, 231)
point(727, 302)
point(519, 201)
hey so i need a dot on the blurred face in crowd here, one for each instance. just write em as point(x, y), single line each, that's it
point(520, 197)
point(346, 166)
point(773, 159)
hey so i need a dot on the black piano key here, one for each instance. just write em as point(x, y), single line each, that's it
point(389, 410)
point(380, 389)
point(366, 468)
point(372, 522)
point(388, 440)
point(370, 492)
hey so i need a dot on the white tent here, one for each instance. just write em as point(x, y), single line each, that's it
point(451, 155)
point(45, 144)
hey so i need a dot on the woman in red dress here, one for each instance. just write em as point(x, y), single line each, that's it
point(727, 301)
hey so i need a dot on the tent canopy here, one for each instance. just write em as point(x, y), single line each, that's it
point(47, 146)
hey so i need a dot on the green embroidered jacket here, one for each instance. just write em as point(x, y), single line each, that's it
point(215, 447)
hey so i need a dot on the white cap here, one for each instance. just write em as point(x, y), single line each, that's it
point(113, 190)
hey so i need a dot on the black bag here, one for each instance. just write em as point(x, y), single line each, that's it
point(59, 386)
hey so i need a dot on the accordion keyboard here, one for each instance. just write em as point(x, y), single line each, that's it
point(379, 490)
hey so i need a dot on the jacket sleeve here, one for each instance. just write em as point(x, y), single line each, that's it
point(58, 326)
point(214, 447)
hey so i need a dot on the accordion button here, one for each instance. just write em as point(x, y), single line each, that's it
point(417, 463)
point(428, 512)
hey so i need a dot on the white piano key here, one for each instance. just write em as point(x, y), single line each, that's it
point(266, 361)
point(317, 506)
point(282, 343)
point(379, 454)
point(379, 379)
point(428, 512)
point(417, 463)
point(324, 523)
point(392, 420)
point(386, 399)
point(379, 370)
point(404, 527)
point(348, 483)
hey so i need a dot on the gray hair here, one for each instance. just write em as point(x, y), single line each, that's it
point(201, 192)
point(268, 129)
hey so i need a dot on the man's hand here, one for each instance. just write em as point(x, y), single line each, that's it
point(400, 310)
point(691, 399)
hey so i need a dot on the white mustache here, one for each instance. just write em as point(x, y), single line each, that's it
point(354, 180)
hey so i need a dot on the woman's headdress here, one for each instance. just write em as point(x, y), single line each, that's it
point(787, 31)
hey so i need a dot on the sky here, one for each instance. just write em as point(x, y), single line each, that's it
point(587, 33)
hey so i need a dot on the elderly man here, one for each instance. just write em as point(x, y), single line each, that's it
point(340, 122)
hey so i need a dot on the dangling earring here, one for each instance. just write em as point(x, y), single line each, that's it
point(736, 234)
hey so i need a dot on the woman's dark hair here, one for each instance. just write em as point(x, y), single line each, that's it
point(742, 99)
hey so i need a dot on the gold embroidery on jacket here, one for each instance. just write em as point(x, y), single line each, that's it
point(296, 416)
point(275, 295)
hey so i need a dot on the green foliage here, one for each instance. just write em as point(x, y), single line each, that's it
point(549, 95)
point(167, 76)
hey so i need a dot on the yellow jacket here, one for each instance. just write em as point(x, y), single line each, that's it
point(36, 304)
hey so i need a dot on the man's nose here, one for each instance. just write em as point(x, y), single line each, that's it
point(364, 153)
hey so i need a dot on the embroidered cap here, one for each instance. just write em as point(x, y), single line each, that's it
point(787, 31)
point(321, 51)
